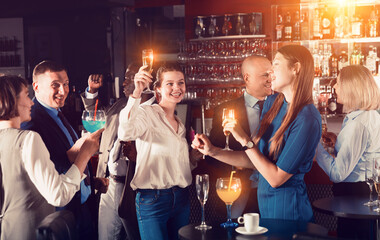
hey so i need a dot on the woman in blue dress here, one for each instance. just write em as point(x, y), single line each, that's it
point(284, 147)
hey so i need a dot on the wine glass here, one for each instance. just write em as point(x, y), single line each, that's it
point(376, 180)
point(202, 185)
point(147, 59)
point(93, 120)
point(228, 189)
point(369, 170)
point(230, 115)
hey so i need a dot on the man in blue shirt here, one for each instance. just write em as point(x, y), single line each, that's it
point(51, 87)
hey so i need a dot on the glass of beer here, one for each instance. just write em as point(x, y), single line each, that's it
point(147, 59)
point(228, 189)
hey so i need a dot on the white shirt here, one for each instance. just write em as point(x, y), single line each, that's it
point(162, 153)
point(57, 189)
point(357, 142)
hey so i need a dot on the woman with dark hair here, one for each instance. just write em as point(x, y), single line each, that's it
point(358, 142)
point(163, 173)
point(288, 135)
point(30, 184)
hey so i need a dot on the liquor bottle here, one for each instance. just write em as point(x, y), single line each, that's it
point(288, 28)
point(316, 25)
point(227, 25)
point(213, 28)
point(279, 28)
point(371, 59)
point(297, 26)
point(332, 105)
point(373, 22)
point(304, 26)
point(357, 57)
point(326, 60)
point(327, 30)
point(340, 22)
point(357, 26)
point(316, 57)
point(342, 60)
point(240, 26)
point(333, 64)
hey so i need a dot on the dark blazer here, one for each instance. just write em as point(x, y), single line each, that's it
point(55, 141)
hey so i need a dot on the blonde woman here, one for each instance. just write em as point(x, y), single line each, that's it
point(357, 142)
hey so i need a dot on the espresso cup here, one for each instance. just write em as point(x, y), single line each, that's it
point(250, 220)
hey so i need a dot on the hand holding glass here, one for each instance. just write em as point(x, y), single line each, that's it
point(202, 185)
point(228, 114)
point(228, 190)
point(147, 59)
point(93, 120)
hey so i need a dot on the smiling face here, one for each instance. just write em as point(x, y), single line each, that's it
point(52, 88)
point(282, 75)
point(24, 105)
point(173, 87)
point(257, 78)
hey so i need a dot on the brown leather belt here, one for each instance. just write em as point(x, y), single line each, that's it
point(119, 179)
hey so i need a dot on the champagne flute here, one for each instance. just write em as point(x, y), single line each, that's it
point(147, 59)
point(93, 120)
point(230, 115)
point(228, 189)
point(369, 179)
point(202, 185)
point(376, 179)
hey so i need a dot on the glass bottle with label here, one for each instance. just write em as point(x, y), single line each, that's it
point(227, 25)
point(297, 26)
point(357, 26)
point(213, 28)
point(327, 30)
point(279, 28)
point(340, 22)
point(316, 25)
point(342, 60)
point(373, 22)
point(333, 64)
point(305, 26)
point(288, 28)
point(332, 105)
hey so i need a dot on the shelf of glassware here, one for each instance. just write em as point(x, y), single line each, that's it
point(229, 37)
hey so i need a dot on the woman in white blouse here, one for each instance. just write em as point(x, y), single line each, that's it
point(162, 167)
point(30, 184)
point(358, 142)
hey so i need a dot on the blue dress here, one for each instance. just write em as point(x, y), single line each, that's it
point(290, 200)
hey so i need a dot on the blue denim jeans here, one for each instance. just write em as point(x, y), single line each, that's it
point(162, 212)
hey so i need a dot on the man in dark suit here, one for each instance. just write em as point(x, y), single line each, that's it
point(255, 71)
point(51, 87)
point(114, 163)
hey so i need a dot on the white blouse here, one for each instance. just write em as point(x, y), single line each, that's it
point(57, 189)
point(162, 153)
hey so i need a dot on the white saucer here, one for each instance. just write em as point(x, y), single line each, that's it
point(260, 230)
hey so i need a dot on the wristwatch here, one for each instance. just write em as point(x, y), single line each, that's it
point(249, 145)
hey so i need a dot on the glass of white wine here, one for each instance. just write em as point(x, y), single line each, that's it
point(202, 185)
point(369, 176)
point(230, 115)
point(147, 59)
point(376, 179)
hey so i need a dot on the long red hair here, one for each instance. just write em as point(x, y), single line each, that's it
point(302, 86)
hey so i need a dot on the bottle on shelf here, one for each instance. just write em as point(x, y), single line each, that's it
point(357, 26)
point(333, 64)
point(340, 23)
point(305, 35)
point(357, 57)
point(240, 26)
point(317, 25)
point(342, 60)
point(199, 28)
point(213, 28)
point(373, 22)
point(227, 25)
point(327, 25)
point(332, 105)
point(317, 60)
point(371, 60)
point(326, 60)
point(297, 26)
point(288, 28)
point(279, 28)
